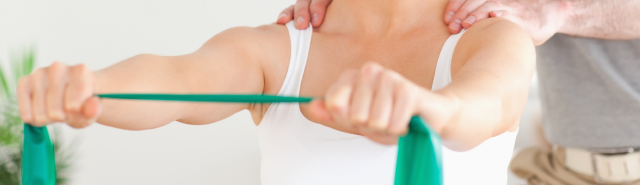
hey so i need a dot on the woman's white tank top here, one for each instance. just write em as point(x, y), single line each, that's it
point(297, 151)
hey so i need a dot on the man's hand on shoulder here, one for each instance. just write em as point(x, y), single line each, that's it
point(540, 19)
point(305, 11)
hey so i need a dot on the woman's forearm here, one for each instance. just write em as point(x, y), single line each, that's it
point(140, 74)
point(475, 110)
point(609, 19)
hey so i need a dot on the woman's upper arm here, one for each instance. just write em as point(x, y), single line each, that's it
point(231, 63)
point(496, 57)
point(223, 63)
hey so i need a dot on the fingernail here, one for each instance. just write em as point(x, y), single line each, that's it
point(470, 19)
point(449, 16)
point(282, 15)
point(300, 20)
point(455, 25)
point(498, 13)
point(314, 17)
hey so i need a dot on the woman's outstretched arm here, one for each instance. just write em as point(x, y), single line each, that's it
point(492, 66)
point(224, 64)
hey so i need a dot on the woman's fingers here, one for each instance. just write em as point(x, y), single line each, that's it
point(38, 100)
point(92, 108)
point(382, 138)
point(286, 15)
point(383, 101)
point(57, 81)
point(318, 8)
point(88, 115)
point(301, 14)
point(78, 90)
point(319, 110)
point(364, 92)
point(58, 93)
point(378, 102)
point(338, 97)
point(24, 99)
point(482, 12)
point(403, 108)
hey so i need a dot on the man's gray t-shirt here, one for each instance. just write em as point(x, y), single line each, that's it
point(590, 92)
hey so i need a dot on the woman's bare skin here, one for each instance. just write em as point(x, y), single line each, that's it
point(372, 62)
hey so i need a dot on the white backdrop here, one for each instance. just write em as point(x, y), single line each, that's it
point(101, 33)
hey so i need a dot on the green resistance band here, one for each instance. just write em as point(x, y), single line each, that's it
point(419, 152)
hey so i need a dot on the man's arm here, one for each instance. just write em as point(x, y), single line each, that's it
point(610, 19)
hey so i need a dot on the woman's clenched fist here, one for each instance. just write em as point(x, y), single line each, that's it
point(58, 93)
point(378, 102)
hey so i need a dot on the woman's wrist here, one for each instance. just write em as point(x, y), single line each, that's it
point(438, 109)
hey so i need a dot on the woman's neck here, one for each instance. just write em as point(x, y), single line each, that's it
point(382, 17)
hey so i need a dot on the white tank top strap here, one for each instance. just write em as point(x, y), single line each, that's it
point(300, 42)
point(488, 162)
point(442, 75)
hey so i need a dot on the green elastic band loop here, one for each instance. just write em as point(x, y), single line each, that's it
point(419, 152)
point(38, 159)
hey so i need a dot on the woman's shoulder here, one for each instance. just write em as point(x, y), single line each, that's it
point(262, 44)
point(253, 36)
point(498, 31)
point(494, 38)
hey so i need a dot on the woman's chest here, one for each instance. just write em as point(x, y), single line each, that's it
point(326, 61)
point(325, 64)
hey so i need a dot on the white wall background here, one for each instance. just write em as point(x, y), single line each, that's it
point(101, 33)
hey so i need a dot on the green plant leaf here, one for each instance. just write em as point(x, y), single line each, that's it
point(4, 79)
point(30, 61)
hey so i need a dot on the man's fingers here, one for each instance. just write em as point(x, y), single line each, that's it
point(455, 26)
point(286, 15)
point(318, 9)
point(452, 8)
point(481, 13)
point(301, 14)
point(504, 14)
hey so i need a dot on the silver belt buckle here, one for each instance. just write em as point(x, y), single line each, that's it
point(615, 165)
